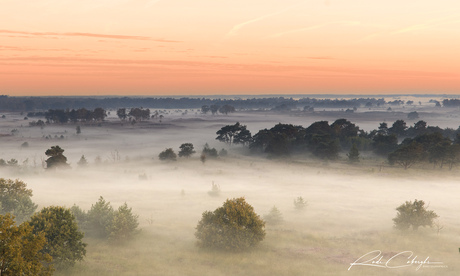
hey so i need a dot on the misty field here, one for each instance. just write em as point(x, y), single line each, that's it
point(349, 212)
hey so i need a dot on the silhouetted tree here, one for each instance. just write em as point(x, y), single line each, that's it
point(56, 158)
point(186, 150)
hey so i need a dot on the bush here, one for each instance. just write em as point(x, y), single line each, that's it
point(64, 240)
point(274, 217)
point(234, 226)
point(168, 155)
point(413, 214)
point(15, 199)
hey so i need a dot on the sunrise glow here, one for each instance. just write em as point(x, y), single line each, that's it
point(202, 47)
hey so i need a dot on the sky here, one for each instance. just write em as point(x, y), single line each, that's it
point(209, 47)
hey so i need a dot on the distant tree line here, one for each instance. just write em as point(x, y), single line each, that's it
point(74, 115)
point(418, 143)
point(277, 103)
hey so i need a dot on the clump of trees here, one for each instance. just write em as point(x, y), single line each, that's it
point(75, 115)
point(234, 226)
point(414, 215)
point(102, 221)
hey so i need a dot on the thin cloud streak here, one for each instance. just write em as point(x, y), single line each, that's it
point(237, 27)
point(127, 37)
point(351, 23)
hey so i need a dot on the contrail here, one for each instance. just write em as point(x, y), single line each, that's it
point(235, 28)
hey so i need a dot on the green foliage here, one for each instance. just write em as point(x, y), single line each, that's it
point(186, 150)
point(168, 155)
point(15, 199)
point(64, 240)
point(56, 158)
point(413, 214)
point(21, 250)
point(274, 217)
point(237, 134)
point(100, 218)
point(353, 155)
point(300, 203)
point(124, 224)
point(234, 226)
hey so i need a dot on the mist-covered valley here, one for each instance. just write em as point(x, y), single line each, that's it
point(349, 206)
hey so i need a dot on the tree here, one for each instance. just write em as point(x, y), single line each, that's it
point(124, 224)
point(205, 109)
point(413, 214)
point(398, 128)
point(56, 158)
point(225, 109)
point(236, 133)
point(353, 155)
point(412, 115)
point(406, 155)
point(15, 199)
point(78, 129)
point(168, 155)
point(82, 162)
point(384, 144)
point(21, 250)
point(274, 217)
point(121, 113)
point(186, 150)
point(209, 152)
point(99, 114)
point(64, 240)
point(234, 226)
point(214, 108)
point(99, 219)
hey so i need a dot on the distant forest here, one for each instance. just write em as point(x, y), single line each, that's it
point(8, 103)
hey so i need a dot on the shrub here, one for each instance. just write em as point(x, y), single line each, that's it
point(64, 240)
point(186, 150)
point(274, 217)
point(234, 226)
point(413, 214)
point(15, 199)
point(209, 152)
point(168, 155)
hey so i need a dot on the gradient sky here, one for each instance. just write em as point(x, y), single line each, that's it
point(200, 47)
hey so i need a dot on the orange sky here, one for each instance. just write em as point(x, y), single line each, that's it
point(199, 47)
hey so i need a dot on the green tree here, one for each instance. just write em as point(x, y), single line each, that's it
point(413, 214)
point(353, 155)
point(56, 158)
point(234, 226)
point(15, 199)
point(168, 155)
point(100, 218)
point(186, 150)
point(21, 250)
point(209, 152)
point(64, 240)
point(124, 224)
